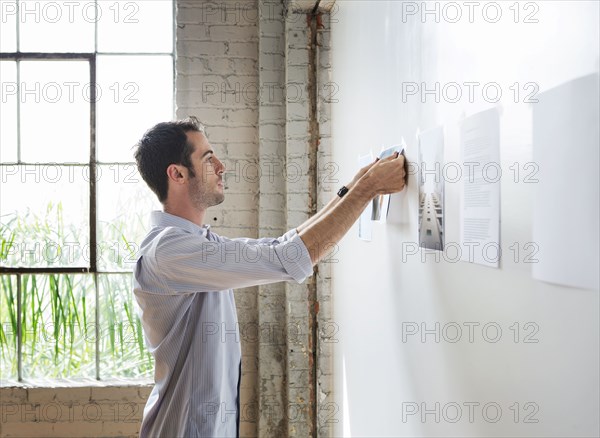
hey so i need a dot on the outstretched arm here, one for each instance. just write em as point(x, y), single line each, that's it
point(328, 227)
point(334, 200)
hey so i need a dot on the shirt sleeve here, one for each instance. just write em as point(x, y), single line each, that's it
point(191, 263)
point(264, 241)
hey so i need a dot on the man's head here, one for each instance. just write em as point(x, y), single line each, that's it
point(175, 159)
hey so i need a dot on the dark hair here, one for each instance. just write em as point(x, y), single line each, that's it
point(162, 145)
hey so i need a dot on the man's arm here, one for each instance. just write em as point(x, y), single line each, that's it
point(334, 200)
point(327, 228)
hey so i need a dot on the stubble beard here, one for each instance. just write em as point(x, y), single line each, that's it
point(202, 197)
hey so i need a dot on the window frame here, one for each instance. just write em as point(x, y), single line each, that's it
point(93, 163)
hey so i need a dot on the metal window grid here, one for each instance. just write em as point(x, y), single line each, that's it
point(18, 272)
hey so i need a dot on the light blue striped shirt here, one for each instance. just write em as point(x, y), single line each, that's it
point(183, 284)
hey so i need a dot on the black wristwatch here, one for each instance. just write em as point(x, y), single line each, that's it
point(341, 192)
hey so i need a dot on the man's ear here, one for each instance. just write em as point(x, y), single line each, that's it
point(177, 173)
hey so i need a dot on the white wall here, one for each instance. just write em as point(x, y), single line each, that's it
point(375, 291)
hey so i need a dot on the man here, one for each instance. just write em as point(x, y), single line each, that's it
point(185, 275)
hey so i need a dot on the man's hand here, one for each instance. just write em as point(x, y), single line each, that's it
point(385, 176)
point(361, 173)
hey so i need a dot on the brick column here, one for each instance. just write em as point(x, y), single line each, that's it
point(328, 183)
point(272, 369)
point(217, 81)
point(301, 198)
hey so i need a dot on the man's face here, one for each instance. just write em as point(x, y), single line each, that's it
point(206, 188)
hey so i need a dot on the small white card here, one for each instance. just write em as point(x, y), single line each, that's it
point(381, 203)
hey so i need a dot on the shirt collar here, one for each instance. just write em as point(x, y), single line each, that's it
point(162, 219)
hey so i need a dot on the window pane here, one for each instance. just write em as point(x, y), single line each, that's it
point(8, 26)
point(150, 21)
point(55, 111)
point(44, 212)
point(8, 111)
point(124, 204)
point(123, 350)
point(8, 327)
point(57, 26)
point(137, 92)
point(58, 326)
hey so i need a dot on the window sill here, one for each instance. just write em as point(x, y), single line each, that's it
point(75, 383)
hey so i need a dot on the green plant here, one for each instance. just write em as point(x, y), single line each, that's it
point(63, 325)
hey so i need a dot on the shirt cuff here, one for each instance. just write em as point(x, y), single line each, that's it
point(288, 235)
point(294, 257)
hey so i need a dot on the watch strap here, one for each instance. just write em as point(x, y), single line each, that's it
point(341, 192)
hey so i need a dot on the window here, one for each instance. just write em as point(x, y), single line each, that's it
point(80, 83)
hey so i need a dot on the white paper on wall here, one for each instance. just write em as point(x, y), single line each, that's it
point(566, 201)
point(480, 195)
point(381, 203)
point(398, 208)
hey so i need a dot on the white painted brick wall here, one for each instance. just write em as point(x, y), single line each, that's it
point(232, 33)
point(202, 48)
point(272, 25)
